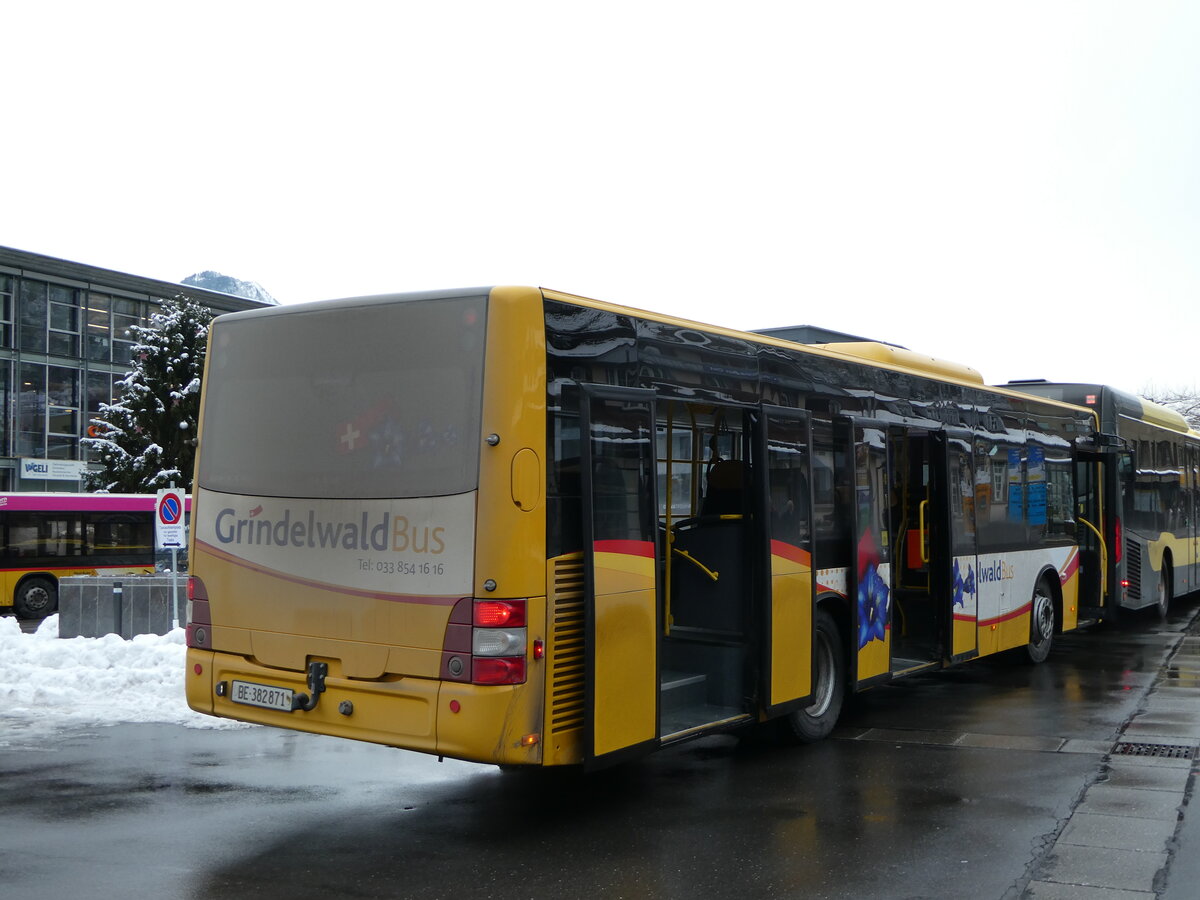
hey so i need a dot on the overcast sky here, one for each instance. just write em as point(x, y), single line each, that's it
point(1012, 186)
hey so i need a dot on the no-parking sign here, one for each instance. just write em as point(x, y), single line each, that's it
point(168, 520)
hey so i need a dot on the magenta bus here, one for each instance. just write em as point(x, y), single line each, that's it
point(45, 537)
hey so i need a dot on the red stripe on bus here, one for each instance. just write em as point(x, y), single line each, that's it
point(791, 552)
point(1007, 616)
point(1071, 567)
point(625, 548)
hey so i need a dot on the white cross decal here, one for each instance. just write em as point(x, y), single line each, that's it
point(350, 438)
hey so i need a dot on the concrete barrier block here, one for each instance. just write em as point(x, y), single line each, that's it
point(87, 607)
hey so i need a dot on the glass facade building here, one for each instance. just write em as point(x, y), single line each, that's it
point(65, 340)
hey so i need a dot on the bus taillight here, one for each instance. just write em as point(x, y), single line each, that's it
point(486, 642)
point(498, 642)
point(196, 589)
point(498, 670)
point(199, 619)
point(499, 613)
point(1119, 540)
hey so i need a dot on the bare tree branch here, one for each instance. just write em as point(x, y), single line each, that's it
point(1184, 402)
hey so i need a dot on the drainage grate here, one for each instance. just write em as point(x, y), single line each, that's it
point(1162, 751)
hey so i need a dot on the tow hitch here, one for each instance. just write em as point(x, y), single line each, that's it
point(316, 687)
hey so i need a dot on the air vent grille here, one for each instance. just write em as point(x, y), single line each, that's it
point(567, 645)
point(1133, 568)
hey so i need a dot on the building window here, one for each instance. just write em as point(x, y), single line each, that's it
point(99, 329)
point(6, 303)
point(64, 321)
point(34, 307)
point(31, 415)
point(126, 314)
point(48, 418)
point(999, 482)
point(100, 390)
point(5, 386)
point(62, 407)
point(49, 315)
point(110, 322)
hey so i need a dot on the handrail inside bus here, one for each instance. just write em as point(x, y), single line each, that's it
point(924, 535)
point(1103, 555)
point(695, 562)
point(668, 536)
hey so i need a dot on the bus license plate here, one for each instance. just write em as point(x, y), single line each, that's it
point(251, 694)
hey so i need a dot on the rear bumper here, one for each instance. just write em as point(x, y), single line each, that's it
point(477, 723)
point(400, 712)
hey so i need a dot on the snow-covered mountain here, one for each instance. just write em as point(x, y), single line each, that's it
point(227, 284)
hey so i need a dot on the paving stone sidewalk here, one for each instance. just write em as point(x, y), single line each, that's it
point(1130, 838)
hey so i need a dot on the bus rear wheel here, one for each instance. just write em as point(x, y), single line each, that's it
point(1163, 593)
point(815, 721)
point(36, 598)
point(1041, 629)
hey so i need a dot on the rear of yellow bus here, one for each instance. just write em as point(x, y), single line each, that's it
point(368, 541)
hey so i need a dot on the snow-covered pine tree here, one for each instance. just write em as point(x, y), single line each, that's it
point(147, 435)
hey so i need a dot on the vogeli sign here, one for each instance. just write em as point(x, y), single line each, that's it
point(53, 469)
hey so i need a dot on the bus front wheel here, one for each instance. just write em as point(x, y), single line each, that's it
point(1041, 629)
point(815, 721)
point(36, 598)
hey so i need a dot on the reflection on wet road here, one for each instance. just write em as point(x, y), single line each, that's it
point(947, 785)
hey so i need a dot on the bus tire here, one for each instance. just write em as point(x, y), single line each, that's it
point(35, 598)
point(816, 721)
point(1041, 626)
point(1163, 591)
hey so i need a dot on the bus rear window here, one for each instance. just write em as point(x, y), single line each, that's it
point(368, 400)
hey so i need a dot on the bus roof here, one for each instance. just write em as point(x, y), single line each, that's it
point(873, 353)
point(888, 354)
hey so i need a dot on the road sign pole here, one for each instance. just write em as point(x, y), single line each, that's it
point(169, 534)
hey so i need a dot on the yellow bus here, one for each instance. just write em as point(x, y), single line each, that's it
point(1153, 491)
point(525, 528)
point(48, 536)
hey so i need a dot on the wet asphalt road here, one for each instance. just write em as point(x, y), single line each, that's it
point(946, 786)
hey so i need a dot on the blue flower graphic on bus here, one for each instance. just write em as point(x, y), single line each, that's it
point(963, 587)
point(873, 599)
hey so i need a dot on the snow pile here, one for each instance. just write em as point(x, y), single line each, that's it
point(47, 682)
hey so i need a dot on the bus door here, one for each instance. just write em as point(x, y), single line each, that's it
point(786, 495)
point(963, 564)
point(620, 559)
point(1093, 471)
point(1185, 569)
point(923, 610)
point(869, 578)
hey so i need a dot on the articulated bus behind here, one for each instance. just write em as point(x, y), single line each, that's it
point(1152, 472)
point(518, 527)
